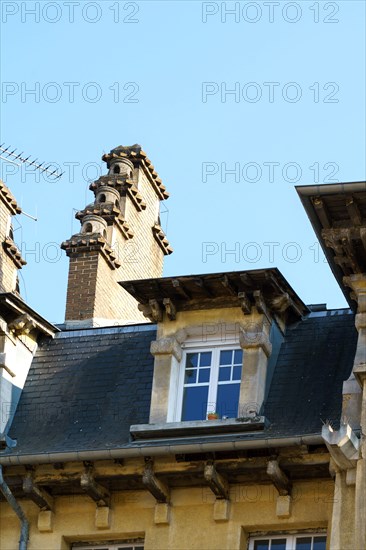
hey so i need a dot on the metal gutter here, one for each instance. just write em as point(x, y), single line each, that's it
point(162, 448)
point(331, 188)
point(24, 530)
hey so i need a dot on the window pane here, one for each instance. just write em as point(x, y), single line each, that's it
point(192, 360)
point(303, 543)
point(228, 400)
point(278, 544)
point(224, 373)
point(190, 376)
point(319, 543)
point(261, 544)
point(205, 359)
point(195, 403)
point(226, 357)
point(238, 356)
point(237, 373)
point(204, 375)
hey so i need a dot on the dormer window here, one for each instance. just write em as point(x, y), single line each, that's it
point(209, 381)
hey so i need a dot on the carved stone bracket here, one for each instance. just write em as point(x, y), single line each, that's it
point(217, 483)
point(96, 492)
point(278, 478)
point(23, 324)
point(170, 309)
point(39, 496)
point(154, 485)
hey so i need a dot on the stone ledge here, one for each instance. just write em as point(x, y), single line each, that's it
point(197, 427)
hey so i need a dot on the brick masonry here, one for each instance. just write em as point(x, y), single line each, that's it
point(8, 269)
point(93, 289)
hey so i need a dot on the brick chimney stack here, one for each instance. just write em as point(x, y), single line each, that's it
point(120, 239)
point(10, 256)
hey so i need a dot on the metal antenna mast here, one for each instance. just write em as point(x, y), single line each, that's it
point(16, 159)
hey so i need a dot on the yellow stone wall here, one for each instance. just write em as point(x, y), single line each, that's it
point(192, 524)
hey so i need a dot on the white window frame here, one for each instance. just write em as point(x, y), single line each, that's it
point(214, 346)
point(290, 539)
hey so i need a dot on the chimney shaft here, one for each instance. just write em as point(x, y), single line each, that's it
point(120, 239)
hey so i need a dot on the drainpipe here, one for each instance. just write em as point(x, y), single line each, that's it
point(24, 531)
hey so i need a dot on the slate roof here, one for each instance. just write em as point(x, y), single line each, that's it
point(314, 360)
point(86, 388)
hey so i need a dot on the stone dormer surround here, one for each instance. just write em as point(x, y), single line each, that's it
point(226, 308)
point(120, 239)
point(251, 334)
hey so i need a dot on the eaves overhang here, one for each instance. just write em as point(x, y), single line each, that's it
point(13, 305)
point(337, 213)
point(261, 288)
point(164, 447)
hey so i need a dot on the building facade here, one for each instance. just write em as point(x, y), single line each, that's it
point(213, 411)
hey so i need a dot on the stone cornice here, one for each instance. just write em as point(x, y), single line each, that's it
point(161, 239)
point(123, 185)
point(111, 180)
point(110, 213)
point(251, 339)
point(166, 346)
point(13, 252)
point(139, 158)
point(91, 242)
point(240, 289)
point(8, 199)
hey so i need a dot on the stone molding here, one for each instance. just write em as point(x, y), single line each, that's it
point(166, 346)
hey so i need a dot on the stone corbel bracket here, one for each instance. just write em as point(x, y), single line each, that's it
point(343, 445)
point(155, 486)
point(217, 483)
point(96, 492)
point(23, 324)
point(154, 310)
point(278, 478)
point(39, 496)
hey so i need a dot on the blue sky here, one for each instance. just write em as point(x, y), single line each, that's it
point(234, 110)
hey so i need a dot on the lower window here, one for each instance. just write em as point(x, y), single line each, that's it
point(300, 541)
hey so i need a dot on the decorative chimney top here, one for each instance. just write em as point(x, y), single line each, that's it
point(120, 239)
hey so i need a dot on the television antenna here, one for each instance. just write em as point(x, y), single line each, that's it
point(20, 159)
